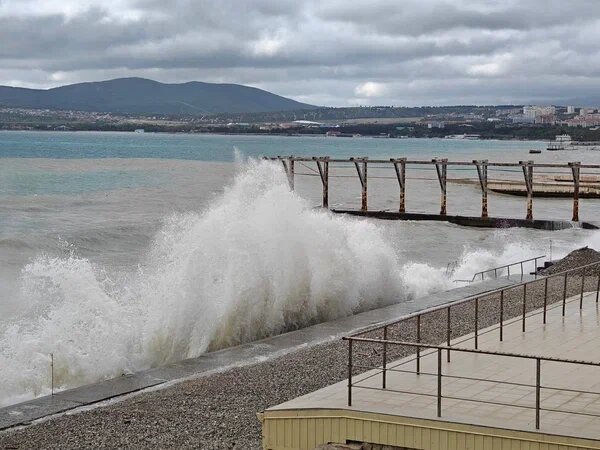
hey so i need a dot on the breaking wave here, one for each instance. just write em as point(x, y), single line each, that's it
point(258, 262)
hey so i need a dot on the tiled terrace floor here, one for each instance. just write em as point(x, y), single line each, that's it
point(576, 336)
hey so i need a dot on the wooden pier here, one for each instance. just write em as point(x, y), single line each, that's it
point(572, 186)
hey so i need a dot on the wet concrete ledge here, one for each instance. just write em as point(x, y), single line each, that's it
point(24, 413)
point(472, 221)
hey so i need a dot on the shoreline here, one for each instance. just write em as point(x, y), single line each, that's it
point(228, 358)
point(219, 410)
point(302, 135)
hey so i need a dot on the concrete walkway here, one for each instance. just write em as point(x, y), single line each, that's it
point(25, 413)
point(487, 390)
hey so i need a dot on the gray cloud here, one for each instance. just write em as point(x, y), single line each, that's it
point(333, 52)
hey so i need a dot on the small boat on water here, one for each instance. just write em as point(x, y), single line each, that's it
point(535, 151)
point(469, 137)
point(562, 142)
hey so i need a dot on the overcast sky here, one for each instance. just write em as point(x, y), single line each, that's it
point(326, 52)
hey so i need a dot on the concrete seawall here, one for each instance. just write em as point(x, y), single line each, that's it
point(246, 354)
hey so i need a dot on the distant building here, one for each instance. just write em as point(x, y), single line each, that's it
point(545, 119)
point(431, 125)
point(522, 119)
point(570, 110)
point(587, 120)
point(531, 112)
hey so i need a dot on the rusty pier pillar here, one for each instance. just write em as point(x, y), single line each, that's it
point(323, 166)
point(288, 166)
point(528, 175)
point(482, 172)
point(576, 169)
point(401, 175)
point(361, 169)
point(441, 167)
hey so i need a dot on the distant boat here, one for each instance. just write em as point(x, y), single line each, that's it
point(139, 130)
point(470, 137)
point(534, 150)
point(562, 142)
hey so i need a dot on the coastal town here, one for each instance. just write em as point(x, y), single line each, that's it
point(458, 122)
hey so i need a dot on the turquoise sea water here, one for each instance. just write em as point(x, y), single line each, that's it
point(68, 145)
point(121, 251)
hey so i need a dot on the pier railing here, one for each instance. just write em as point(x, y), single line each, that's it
point(411, 333)
point(500, 270)
point(439, 395)
point(441, 165)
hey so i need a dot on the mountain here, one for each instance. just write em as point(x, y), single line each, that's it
point(142, 96)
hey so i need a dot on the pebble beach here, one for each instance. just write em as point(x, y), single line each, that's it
point(220, 411)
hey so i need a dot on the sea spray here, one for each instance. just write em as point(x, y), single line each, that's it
point(475, 260)
point(259, 261)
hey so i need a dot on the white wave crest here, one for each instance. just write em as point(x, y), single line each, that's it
point(258, 262)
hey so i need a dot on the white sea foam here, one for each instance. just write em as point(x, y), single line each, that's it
point(258, 262)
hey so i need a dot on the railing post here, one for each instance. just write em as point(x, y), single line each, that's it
point(349, 372)
point(385, 332)
point(441, 167)
point(477, 323)
point(582, 289)
point(545, 298)
point(564, 303)
point(419, 341)
point(538, 364)
point(522, 272)
point(501, 315)
point(401, 176)
point(575, 168)
point(598, 289)
point(448, 334)
point(524, 304)
point(508, 271)
point(51, 373)
point(439, 383)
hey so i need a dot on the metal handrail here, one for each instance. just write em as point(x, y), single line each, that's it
point(506, 266)
point(422, 162)
point(439, 348)
point(500, 291)
point(418, 345)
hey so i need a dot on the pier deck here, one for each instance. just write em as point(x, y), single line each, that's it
point(473, 221)
point(576, 188)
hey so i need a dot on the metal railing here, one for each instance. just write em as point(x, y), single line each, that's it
point(499, 269)
point(439, 376)
point(418, 345)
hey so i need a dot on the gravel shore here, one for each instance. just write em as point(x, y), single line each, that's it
point(219, 411)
